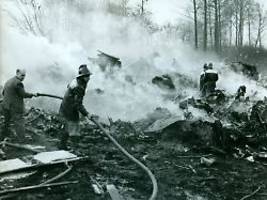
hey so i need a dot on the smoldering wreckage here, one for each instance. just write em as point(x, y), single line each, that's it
point(221, 156)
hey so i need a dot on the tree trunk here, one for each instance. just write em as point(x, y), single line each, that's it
point(230, 33)
point(241, 23)
point(205, 27)
point(210, 27)
point(195, 23)
point(258, 40)
point(124, 7)
point(219, 25)
point(216, 26)
point(249, 31)
point(236, 28)
point(142, 7)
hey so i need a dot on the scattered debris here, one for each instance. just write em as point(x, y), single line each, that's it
point(250, 159)
point(32, 148)
point(2, 153)
point(164, 82)
point(196, 103)
point(195, 156)
point(59, 176)
point(98, 189)
point(246, 69)
point(38, 161)
point(34, 187)
point(113, 192)
point(12, 164)
point(157, 138)
point(53, 156)
point(106, 62)
point(188, 168)
point(161, 124)
point(207, 161)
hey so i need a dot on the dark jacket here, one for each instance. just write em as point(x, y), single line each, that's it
point(201, 82)
point(14, 95)
point(72, 103)
point(208, 81)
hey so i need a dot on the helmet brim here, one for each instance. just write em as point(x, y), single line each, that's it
point(81, 75)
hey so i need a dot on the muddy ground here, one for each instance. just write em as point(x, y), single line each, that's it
point(176, 165)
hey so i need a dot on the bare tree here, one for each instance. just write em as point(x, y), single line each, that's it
point(236, 21)
point(261, 25)
point(30, 16)
point(223, 23)
point(241, 23)
point(205, 36)
point(143, 6)
point(195, 24)
point(210, 24)
point(251, 15)
point(219, 25)
point(124, 5)
point(216, 26)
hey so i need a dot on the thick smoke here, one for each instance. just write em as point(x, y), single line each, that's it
point(74, 33)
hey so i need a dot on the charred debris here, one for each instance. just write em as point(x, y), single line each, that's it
point(215, 150)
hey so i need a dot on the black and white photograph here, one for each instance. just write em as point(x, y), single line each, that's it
point(133, 99)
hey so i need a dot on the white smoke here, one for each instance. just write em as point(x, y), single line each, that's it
point(73, 34)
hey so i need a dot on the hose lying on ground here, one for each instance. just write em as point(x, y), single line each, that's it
point(69, 168)
point(150, 174)
point(126, 153)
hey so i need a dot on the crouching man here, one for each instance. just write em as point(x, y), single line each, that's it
point(72, 105)
point(13, 106)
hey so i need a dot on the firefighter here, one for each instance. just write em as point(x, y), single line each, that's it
point(241, 92)
point(13, 107)
point(209, 79)
point(72, 105)
point(201, 83)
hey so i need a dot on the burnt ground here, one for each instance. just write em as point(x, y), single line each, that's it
point(176, 165)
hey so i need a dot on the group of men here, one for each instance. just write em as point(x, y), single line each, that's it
point(13, 107)
point(72, 104)
point(208, 79)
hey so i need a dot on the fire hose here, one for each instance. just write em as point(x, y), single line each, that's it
point(124, 151)
point(49, 95)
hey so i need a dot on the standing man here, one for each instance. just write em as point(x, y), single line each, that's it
point(13, 104)
point(72, 105)
point(209, 78)
point(202, 76)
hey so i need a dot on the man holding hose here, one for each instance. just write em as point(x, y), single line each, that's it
point(72, 105)
point(13, 105)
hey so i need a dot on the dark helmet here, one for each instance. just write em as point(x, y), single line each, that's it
point(205, 67)
point(242, 88)
point(83, 71)
point(210, 66)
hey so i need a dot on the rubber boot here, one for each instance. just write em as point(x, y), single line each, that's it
point(64, 141)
